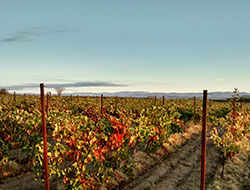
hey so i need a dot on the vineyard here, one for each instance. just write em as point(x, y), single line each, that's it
point(121, 143)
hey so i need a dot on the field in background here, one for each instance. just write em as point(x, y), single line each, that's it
point(108, 142)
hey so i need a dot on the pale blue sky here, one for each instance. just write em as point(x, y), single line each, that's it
point(152, 45)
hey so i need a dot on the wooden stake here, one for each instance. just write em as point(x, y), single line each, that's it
point(47, 106)
point(101, 104)
point(204, 141)
point(45, 153)
point(14, 96)
point(194, 110)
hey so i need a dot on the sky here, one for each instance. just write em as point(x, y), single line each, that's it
point(132, 45)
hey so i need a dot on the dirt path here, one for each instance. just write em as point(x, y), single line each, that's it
point(179, 171)
point(26, 181)
point(236, 175)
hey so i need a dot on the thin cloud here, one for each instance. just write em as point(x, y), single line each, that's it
point(57, 80)
point(30, 33)
point(219, 80)
point(14, 39)
point(68, 85)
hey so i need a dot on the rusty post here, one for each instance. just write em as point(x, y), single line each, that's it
point(204, 140)
point(45, 154)
point(47, 105)
point(77, 98)
point(71, 97)
point(163, 100)
point(116, 102)
point(234, 106)
point(14, 96)
point(96, 100)
point(194, 110)
point(241, 104)
point(49, 100)
point(155, 101)
point(101, 104)
point(234, 110)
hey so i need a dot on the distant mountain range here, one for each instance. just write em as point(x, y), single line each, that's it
point(172, 95)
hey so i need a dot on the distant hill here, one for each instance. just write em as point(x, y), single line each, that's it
point(173, 95)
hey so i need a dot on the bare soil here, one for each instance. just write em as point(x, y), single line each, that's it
point(236, 175)
point(180, 170)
